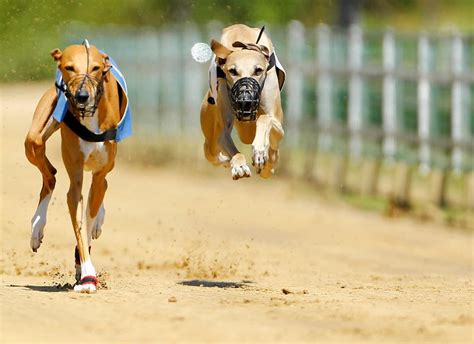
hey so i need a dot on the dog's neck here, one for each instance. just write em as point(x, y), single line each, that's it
point(91, 122)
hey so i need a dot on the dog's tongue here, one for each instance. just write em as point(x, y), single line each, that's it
point(201, 52)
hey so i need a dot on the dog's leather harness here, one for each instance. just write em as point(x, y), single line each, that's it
point(80, 130)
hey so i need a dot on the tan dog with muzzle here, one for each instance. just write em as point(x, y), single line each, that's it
point(249, 81)
point(94, 105)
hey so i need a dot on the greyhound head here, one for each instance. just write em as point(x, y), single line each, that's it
point(246, 71)
point(83, 69)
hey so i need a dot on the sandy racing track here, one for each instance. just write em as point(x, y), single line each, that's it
point(190, 257)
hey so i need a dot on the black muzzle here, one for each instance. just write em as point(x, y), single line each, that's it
point(245, 98)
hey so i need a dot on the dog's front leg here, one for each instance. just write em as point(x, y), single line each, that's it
point(42, 127)
point(268, 134)
point(238, 163)
point(269, 129)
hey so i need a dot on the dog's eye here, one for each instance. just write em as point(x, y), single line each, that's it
point(95, 69)
point(258, 70)
point(233, 71)
point(69, 68)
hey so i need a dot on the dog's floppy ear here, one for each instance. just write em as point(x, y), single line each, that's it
point(218, 49)
point(107, 65)
point(56, 54)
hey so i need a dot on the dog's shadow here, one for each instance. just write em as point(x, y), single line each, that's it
point(214, 284)
point(56, 288)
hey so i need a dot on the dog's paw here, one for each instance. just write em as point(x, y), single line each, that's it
point(99, 221)
point(87, 285)
point(239, 167)
point(259, 158)
point(37, 232)
point(242, 171)
point(267, 172)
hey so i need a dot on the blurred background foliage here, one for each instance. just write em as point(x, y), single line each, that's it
point(29, 29)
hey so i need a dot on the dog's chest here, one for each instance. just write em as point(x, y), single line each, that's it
point(95, 153)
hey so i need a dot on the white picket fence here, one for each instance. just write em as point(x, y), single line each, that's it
point(392, 95)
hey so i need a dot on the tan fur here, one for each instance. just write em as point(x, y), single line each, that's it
point(43, 126)
point(218, 120)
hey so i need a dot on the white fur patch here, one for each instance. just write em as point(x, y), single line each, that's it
point(223, 159)
point(95, 153)
point(38, 222)
point(87, 269)
point(85, 289)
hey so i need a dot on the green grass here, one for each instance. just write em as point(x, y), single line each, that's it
point(377, 204)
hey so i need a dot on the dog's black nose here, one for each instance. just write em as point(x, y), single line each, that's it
point(82, 95)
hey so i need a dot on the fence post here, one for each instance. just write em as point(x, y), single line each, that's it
point(324, 87)
point(460, 119)
point(193, 81)
point(424, 98)
point(457, 104)
point(389, 104)
point(355, 90)
point(294, 108)
point(193, 92)
point(294, 99)
point(170, 100)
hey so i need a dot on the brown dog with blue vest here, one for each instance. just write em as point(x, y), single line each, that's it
point(245, 83)
point(95, 107)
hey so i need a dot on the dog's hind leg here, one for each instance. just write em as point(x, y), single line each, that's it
point(43, 126)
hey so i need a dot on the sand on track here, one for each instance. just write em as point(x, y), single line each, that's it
point(186, 256)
